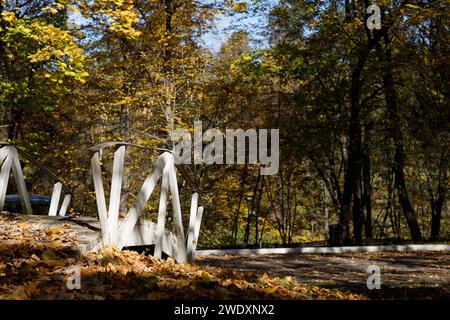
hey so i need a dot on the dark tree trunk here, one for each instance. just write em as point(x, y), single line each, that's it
point(357, 210)
point(258, 205)
point(238, 210)
point(437, 202)
point(279, 220)
point(352, 178)
point(436, 214)
point(367, 197)
point(397, 137)
point(168, 12)
point(347, 9)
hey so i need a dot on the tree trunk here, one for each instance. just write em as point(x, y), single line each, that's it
point(238, 210)
point(357, 211)
point(367, 195)
point(326, 197)
point(258, 205)
point(397, 137)
point(437, 202)
point(251, 210)
point(436, 214)
point(352, 178)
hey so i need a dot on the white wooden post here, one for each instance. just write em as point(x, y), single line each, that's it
point(4, 175)
point(191, 230)
point(132, 229)
point(177, 215)
point(53, 210)
point(21, 186)
point(144, 194)
point(100, 197)
point(198, 223)
point(161, 214)
point(65, 205)
point(4, 153)
point(116, 191)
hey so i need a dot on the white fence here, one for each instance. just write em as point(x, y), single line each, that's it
point(133, 230)
point(9, 161)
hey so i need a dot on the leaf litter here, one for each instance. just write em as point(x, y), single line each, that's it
point(36, 262)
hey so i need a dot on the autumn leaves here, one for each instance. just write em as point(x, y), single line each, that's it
point(35, 263)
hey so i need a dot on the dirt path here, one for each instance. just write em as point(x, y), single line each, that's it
point(418, 275)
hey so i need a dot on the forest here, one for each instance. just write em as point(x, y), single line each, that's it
point(362, 110)
point(363, 115)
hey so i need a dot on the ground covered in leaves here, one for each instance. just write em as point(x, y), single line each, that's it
point(38, 261)
point(403, 275)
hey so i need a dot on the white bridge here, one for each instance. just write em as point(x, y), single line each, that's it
point(133, 230)
point(9, 161)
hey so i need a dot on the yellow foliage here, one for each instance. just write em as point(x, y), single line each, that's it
point(9, 17)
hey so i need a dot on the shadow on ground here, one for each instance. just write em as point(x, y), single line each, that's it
point(412, 275)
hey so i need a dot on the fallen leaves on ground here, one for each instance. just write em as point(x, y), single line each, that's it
point(404, 275)
point(36, 262)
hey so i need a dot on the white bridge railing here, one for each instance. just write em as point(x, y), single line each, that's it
point(133, 230)
point(9, 161)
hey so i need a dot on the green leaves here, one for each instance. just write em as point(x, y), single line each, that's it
point(43, 61)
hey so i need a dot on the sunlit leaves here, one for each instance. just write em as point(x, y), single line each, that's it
point(40, 53)
point(239, 7)
point(118, 16)
point(46, 255)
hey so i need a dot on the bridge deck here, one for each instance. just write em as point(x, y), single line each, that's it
point(86, 230)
